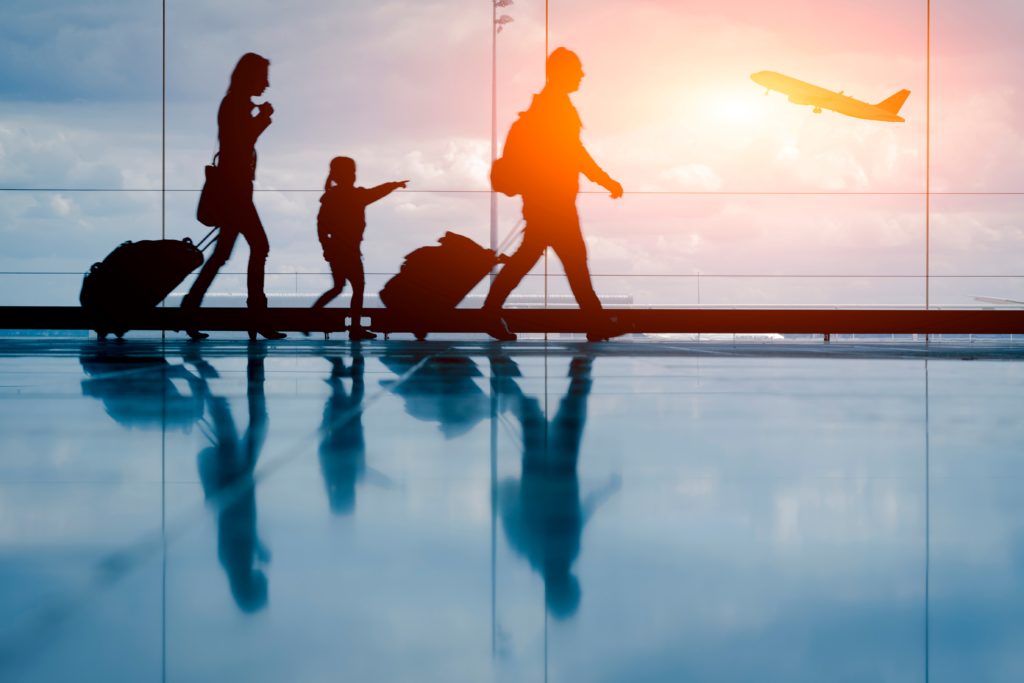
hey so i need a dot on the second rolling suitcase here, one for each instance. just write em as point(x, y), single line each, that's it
point(435, 279)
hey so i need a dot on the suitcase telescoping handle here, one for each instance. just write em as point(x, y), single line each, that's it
point(511, 237)
point(208, 239)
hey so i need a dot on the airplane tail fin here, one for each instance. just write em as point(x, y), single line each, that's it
point(894, 103)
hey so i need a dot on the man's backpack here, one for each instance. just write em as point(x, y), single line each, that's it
point(511, 172)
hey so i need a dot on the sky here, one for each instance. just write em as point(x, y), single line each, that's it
point(667, 104)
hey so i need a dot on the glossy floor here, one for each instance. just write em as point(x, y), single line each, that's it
point(451, 512)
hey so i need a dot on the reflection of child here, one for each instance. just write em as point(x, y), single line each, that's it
point(340, 226)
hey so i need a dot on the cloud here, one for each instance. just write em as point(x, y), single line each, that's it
point(693, 177)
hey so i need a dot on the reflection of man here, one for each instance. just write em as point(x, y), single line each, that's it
point(543, 514)
point(342, 446)
point(226, 471)
point(557, 157)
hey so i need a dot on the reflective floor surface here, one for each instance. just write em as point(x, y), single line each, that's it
point(449, 512)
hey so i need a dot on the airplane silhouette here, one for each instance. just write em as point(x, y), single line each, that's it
point(820, 98)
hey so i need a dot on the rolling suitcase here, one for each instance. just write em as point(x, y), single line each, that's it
point(435, 279)
point(137, 276)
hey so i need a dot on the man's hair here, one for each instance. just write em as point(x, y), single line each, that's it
point(562, 59)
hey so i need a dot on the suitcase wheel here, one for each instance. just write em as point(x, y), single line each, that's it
point(420, 335)
point(101, 334)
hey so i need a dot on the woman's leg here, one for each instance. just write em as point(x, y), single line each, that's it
point(221, 253)
point(259, 248)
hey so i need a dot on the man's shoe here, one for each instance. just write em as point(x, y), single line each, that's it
point(196, 335)
point(266, 334)
point(606, 330)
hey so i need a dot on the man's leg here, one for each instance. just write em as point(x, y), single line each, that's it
point(518, 265)
point(572, 252)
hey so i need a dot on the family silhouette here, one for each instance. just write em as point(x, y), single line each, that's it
point(543, 159)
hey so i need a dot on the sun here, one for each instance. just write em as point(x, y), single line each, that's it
point(734, 108)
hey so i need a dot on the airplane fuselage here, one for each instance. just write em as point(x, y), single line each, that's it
point(800, 92)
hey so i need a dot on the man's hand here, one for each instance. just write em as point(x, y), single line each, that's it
point(401, 183)
point(266, 109)
point(614, 187)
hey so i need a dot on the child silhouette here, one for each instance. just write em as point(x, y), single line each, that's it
point(340, 225)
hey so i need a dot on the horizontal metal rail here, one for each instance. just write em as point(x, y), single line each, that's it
point(626, 320)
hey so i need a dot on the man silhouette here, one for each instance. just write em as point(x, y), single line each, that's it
point(557, 157)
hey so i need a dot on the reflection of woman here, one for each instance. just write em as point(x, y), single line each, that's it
point(226, 472)
point(238, 129)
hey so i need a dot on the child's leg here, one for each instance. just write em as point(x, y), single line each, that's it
point(339, 284)
point(358, 280)
point(356, 331)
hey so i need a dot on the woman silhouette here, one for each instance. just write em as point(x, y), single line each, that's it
point(238, 129)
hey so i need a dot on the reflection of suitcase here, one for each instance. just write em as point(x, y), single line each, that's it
point(436, 279)
point(137, 276)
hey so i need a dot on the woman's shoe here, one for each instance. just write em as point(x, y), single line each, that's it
point(266, 334)
point(498, 328)
point(360, 334)
point(196, 335)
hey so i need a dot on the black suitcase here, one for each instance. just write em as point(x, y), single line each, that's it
point(137, 276)
point(436, 279)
